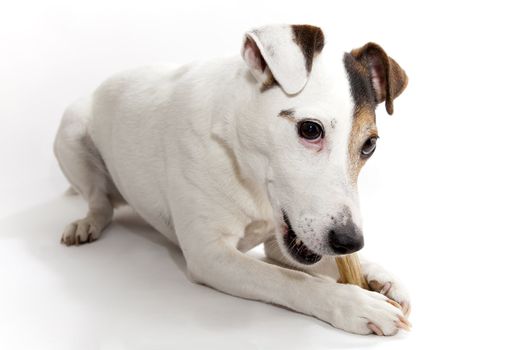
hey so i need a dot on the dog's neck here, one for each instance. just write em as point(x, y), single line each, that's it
point(229, 128)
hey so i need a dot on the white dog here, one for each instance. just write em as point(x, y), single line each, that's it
point(223, 155)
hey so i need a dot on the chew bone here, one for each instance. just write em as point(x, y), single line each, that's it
point(350, 270)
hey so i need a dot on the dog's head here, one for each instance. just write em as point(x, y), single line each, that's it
point(314, 127)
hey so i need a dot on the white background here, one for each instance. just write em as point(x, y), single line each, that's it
point(443, 198)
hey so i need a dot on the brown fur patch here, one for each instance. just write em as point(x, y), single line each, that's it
point(364, 117)
point(287, 114)
point(360, 82)
point(363, 65)
point(363, 127)
point(311, 40)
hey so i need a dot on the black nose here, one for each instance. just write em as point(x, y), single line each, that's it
point(345, 239)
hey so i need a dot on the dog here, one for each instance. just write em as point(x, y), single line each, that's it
point(223, 155)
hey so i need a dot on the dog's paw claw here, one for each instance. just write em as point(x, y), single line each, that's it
point(385, 289)
point(374, 328)
point(394, 303)
point(406, 308)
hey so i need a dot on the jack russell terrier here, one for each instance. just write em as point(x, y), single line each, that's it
point(223, 155)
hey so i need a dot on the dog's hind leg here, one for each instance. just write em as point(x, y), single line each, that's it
point(83, 166)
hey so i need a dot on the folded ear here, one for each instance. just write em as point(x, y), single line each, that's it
point(388, 79)
point(282, 54)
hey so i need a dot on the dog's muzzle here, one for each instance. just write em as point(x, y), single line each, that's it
point(297, 249)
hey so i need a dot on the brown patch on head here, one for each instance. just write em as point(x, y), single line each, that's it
point(311, 40)
point(374, 77)
point(364, 117)
point(287, 114)
point(360, 81)
point(363, 127)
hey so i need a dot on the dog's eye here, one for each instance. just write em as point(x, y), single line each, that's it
point(368, 147)
point(310, 130)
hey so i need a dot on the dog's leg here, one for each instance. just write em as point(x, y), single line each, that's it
point(377, 277)
point(85, 170)
point(222, 266)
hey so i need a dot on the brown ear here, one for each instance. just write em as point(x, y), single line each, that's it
point(388, 79)
point(310, 39)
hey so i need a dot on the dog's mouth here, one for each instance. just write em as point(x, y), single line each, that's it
point(295, 246)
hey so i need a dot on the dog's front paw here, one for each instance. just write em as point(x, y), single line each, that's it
point(384, 283)
point(361, 311)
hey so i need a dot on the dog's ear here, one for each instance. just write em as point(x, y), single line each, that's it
point(282, 54)
point(388, 79)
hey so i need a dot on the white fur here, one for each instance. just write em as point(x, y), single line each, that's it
point(201, 154)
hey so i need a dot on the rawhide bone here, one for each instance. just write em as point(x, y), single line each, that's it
point(350, 270)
